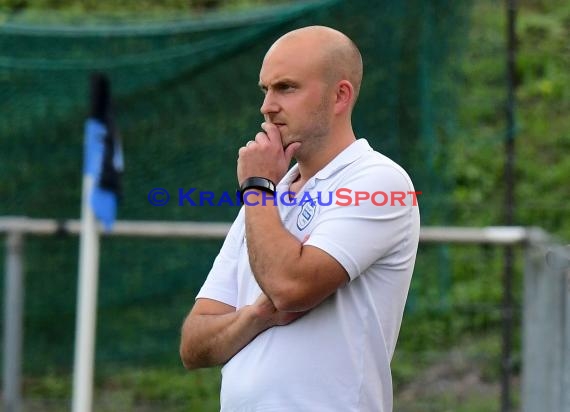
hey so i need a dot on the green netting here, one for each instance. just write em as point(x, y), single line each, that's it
point(186, 98)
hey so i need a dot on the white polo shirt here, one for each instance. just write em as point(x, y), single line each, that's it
point(337, 357)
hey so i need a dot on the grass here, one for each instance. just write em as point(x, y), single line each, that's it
point(462, 378)
point(132, 389)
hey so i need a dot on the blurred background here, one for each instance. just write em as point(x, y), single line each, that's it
point(185, 97)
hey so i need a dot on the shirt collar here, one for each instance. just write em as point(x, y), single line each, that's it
point(344, 158)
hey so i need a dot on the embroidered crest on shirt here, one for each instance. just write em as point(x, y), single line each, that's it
point(307, 213)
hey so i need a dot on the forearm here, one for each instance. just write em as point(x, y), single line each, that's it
point(295, 277)
point(210, 340)
point(274, 253)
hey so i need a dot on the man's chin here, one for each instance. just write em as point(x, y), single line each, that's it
point(288, 143)
point(287, 140)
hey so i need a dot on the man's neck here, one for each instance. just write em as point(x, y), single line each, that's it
point(310, 167)
point(317, 161)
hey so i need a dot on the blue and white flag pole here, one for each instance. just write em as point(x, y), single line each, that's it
point(101, 152)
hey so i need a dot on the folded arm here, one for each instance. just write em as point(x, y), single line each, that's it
point(214, 332)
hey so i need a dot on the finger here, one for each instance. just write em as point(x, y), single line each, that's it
point(290, 151)
point(272, 132)
point(261, 138)
point(248, 143)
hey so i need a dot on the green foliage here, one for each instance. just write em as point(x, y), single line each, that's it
point(542, 137)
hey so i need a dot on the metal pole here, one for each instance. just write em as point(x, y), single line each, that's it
point(509, 207)
point(86, 318)
point(13, 309)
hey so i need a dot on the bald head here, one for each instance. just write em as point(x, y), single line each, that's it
point(335, 53)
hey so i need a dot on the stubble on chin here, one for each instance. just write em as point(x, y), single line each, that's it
point(287, 140)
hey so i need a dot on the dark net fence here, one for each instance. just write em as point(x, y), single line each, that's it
point(185, 99)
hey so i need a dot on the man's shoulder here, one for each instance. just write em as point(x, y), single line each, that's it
point(375, 166)
point(374, 157)
point(369, 157)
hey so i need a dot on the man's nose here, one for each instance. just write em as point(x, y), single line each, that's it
point(269, 105)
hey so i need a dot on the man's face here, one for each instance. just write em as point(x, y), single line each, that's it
point(297, 98)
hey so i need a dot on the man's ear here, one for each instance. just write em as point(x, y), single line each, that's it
point(343, 96)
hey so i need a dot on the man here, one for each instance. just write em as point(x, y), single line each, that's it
point(304, 302)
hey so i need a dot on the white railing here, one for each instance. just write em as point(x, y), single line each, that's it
point(546, 311)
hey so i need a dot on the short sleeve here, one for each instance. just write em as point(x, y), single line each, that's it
point(377, 228)
point(221, 282)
